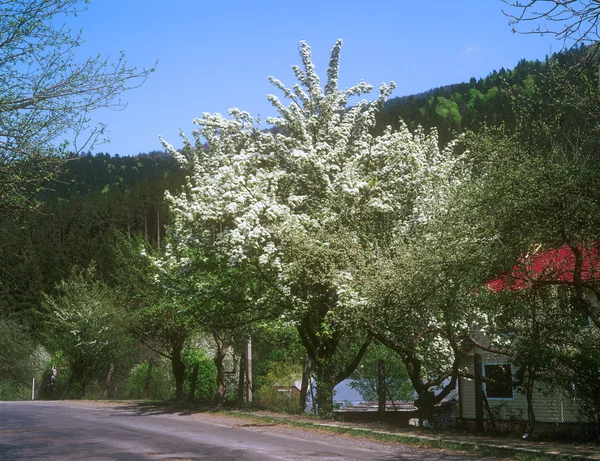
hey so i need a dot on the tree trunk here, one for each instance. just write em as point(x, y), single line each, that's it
point(146, 391)
point(479, 424)
point(44, 390)
point(242, 376)
point(529, 387)
point(304, 386)
point(146, 225)
point(325, 385)
point(425, 404)
point(157, 227)
point(381, 388)
point(221, 381)
point(192, 393)
point(178, 373)
point(108, 380)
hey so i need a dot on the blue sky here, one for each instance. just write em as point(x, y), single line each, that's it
point(214, 55)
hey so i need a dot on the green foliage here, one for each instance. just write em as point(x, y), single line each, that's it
point(273, 345)
point(397, 382)
point(277, 391)
point(12, 390)
point(206, 384)
point(161, 386)
point(17, 349)
point(21, 360)
point(58, 387)
point(76, 224)
point(584, 375)
point(86, 324)
point(481, 102)
point(446, 110)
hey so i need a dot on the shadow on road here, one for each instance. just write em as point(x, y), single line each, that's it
point(168, 408)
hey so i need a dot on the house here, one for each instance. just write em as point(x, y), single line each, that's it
point(560, 266)
point(504, 401)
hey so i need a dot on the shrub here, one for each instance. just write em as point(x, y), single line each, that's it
point(206, 385)
point(278, 392)
point(162, 384)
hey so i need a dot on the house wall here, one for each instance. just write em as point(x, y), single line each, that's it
point(547, 408)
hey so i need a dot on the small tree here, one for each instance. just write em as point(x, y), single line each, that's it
point(158, 315)
point(85, 322)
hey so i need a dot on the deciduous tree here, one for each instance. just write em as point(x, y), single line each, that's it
point(47, 92)
point(307, 201)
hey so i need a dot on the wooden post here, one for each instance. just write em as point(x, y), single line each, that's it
point(241, 376)
point(479, 425)
point(381, 387)
point(249, 371)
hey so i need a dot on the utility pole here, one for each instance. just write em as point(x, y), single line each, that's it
point(249, 371)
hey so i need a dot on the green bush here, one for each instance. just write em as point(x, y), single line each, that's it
point(162, 384)
point(206, 385)
point(56, 388)
point(278, 390)
point(11, 390)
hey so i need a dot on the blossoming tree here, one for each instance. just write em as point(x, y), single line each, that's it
point(309, 201)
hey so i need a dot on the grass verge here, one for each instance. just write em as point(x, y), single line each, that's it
point(416, 441)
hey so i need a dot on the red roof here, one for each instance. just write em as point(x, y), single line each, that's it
point(557, 264)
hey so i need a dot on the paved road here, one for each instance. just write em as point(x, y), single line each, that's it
point(102, 432)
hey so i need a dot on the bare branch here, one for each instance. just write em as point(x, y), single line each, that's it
point(574, 22)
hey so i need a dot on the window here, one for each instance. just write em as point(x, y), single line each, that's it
point(501, 386)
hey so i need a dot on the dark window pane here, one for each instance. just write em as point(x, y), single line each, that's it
point(501, 388)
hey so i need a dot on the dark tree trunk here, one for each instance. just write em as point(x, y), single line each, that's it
point(178, 373)
point(146, 225)
point(381, 388)
point(192, 393)
point(479, 424)
point(146, 391)
point(221, 381)
point(158, 227)
point(44, 390)
point(529, 387)
point(325, 386)
point(304, 386)
point(108, 380)
point(425, 404)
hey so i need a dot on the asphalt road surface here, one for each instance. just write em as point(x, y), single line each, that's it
point(102, 432)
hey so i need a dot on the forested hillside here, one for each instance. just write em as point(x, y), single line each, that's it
point(483, 101)
point(77, 220)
